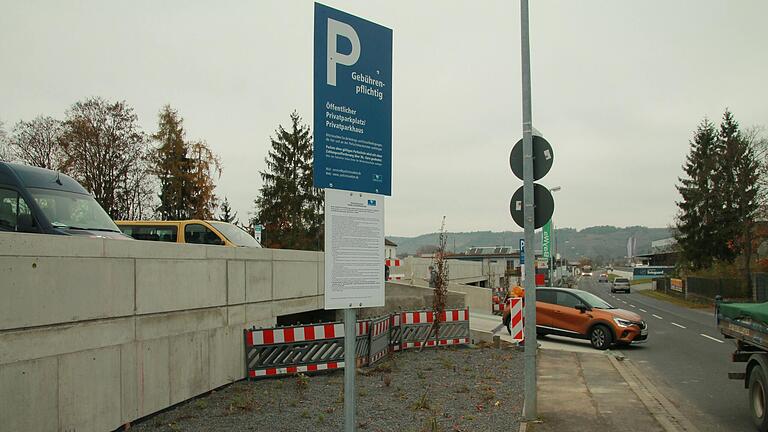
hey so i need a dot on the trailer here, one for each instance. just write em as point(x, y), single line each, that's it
point(747, 325)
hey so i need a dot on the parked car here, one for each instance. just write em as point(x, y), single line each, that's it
point(603, 278)
point(193, 231)
point(582, 315)
point(38, 200)
point(620, 284)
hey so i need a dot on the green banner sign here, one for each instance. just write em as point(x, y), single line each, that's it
point(546, 240)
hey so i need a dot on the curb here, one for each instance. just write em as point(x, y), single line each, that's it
point(666, 413)
point(523, 426)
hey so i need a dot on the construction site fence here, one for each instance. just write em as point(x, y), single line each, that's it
point(318, 347)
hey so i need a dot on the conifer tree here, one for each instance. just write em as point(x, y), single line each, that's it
point(696, 219)
point(186, 171)
point(288, 206)
point(226, 214)
point(738, 174)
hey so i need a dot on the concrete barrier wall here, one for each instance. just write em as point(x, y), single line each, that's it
point(458, 270)
point(97, 333)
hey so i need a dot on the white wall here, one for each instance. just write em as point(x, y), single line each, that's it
point(97, 333)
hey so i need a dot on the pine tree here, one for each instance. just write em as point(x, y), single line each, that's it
point(697, 216)
point(738, 174)
point(288, 206)
point(185, 170)
point(226, 214)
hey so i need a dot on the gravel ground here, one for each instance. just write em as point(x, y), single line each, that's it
point(443, 389)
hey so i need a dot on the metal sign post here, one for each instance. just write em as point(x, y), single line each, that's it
point(352, 162)
point(529, 407)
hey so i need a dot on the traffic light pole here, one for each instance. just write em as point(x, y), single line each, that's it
point(529, 407)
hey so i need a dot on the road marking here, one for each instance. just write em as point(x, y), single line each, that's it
point(710, 337)
point(624, 302)
point(656, 316)
point(643, 310)
point(678, 325)
point(631, 305)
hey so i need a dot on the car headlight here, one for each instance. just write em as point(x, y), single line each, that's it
point(622, 322)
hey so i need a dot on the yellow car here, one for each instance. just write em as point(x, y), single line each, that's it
point(193, 231)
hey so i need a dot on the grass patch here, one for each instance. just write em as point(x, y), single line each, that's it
point(674, 300)
point(640, 281)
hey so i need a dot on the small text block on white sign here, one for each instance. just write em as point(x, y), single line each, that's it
point(354, 249)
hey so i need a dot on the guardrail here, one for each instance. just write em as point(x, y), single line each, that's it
point(311, 348)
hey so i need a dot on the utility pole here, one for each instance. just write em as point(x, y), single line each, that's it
point(529, 407)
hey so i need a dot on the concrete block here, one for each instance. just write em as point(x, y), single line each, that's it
point(254, 254)
point(16, 244)
point(235, 282)
point(190, 365)
point(129, 382)
point(258, 281)
point(176, 323)
point(236, 315)
point(292, 306)
point(227, 356)
point(165, 285)
point(294, 255)
point(153, 370)
point(155, 250)
point(294, 279)
point(29, 396)
point(219, 252)
point(321, 275)
point(87, 397)
point(47, 290)
point(259, 315)
point(20, 345)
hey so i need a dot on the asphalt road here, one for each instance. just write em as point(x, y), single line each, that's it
point(686, 358)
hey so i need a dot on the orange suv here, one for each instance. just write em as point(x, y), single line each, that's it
point(579, 314)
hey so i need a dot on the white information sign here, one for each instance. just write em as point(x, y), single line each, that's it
point(354, 249)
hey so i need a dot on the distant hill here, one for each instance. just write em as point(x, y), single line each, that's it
point(601, 243)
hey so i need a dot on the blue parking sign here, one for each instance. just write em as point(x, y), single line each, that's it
point(352, 103)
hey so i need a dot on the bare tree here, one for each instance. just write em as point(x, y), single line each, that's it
point(107, 152)
point(5, 152)
point(441, 283)
point(38, 143)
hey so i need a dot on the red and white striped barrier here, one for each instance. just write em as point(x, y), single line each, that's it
point(516, 308)
point(428, 316)
point(295, 369)
point(393, 263)
point(294, 334)
point(396, 334)
point(432, 343)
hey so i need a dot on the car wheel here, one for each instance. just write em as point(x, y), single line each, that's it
point(758, 398)
point(600, 337)
point(613, 291)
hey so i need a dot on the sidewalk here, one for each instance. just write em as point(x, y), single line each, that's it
point(596, 392)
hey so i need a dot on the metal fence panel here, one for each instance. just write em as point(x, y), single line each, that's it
point(379, 338)
point(709, 288)
point(417, 328)
point(279, 351)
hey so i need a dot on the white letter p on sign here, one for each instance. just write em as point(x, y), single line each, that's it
point(335, 29)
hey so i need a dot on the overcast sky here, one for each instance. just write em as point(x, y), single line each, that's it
point(618, 88)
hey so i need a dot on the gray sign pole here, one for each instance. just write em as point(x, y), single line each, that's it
point(529, 408)
point(350, 368)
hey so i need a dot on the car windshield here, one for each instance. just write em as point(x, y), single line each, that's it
point(235, 234)
point(72, 210)
point(594, 301)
